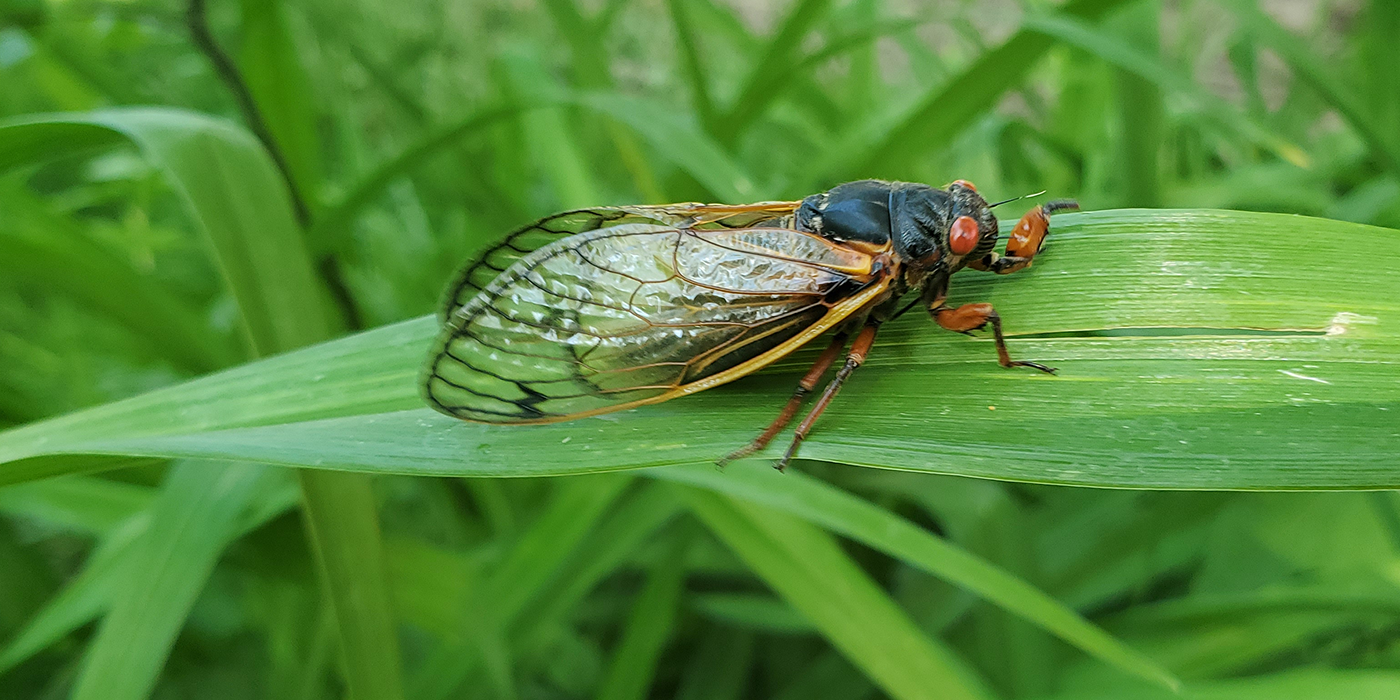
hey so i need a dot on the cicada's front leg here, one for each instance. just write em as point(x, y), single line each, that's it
point(1027, 238)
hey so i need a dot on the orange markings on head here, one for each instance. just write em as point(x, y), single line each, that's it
point(962, 238)
point(966, 184)
point(1029, 234)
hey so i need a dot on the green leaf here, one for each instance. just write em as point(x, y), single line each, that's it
point(939, 115)
point(234, 197)
point(79, 503)
point(648, 628)
point(678, 141)
point(233, 194)
point(282, 89)
point(845, 514)
point(195, 517)
point(515, 582)
point(1126, 56)
point(808, 568)
point(1146, 313)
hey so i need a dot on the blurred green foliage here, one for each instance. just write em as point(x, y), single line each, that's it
point(184, 188)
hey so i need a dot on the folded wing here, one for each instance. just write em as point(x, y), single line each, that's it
point(638, 313)
point(497, 259)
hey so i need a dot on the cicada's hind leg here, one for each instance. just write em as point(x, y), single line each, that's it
point(804, 387)
point(1026, 240)
point(860, 347)
point(970, 317)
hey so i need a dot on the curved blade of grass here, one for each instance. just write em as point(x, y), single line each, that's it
point(1122, 54)
point(1321, 78)
point(808, 568)
point(106, 572)
point(940, 115)
point(237, 201)
point(853, 517)
point(1311, 405)
point(1304, 684)
point(648, 628)
point(195, 516)
point(331, 224)
point(678, 141)
point(776, 60)
point(28, 141)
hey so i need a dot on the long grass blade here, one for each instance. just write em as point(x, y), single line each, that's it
point(195, 516)
point(808, 569)
point(649, 627)
point(1148, 314)
point(848, 515)
point(232, 193)
point(944, 111)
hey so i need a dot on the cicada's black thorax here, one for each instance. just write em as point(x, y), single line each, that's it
point(914, 217)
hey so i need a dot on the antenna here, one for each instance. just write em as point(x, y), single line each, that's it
point(1013, 199)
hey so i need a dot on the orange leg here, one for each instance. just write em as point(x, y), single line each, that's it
point(1026, 239)
point(860, 347)
point(970, 317)
point(804, 387)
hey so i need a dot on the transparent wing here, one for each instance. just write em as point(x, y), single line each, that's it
point(639, 313)
point(476, 275)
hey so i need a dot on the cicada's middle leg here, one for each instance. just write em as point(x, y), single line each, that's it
point(971, 317)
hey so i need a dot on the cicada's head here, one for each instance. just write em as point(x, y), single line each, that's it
point(972, 229)
point(942, 230)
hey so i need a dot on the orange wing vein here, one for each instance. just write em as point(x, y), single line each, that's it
point(497, 259)
point(638, 313)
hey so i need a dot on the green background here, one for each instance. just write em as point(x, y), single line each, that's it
point(223, 227)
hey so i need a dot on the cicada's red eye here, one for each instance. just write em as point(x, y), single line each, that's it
point(962, 238)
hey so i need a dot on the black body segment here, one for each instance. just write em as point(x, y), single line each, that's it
point(855, 211)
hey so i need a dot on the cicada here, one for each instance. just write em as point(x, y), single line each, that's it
point(599, 310)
